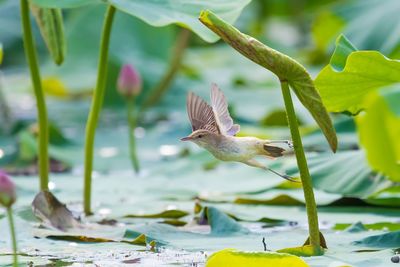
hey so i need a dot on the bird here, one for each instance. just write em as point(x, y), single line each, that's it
point(214, 130)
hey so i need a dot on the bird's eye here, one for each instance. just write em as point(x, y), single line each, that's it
point(200, 135)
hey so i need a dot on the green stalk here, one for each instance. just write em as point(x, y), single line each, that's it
point(13, 238)
point(132, 119)
point(304, 173)
point(97, 103)
point(159, 90)
point(30, 53)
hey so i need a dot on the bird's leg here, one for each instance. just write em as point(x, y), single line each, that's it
point(255, 163)
point(289, 143)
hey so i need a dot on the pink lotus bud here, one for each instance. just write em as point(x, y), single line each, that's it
point(129, 81)
point(7, 190)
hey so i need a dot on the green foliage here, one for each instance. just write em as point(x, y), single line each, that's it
point(371, 24)
point(364, 72)
point(161, 13)
point(324, 29)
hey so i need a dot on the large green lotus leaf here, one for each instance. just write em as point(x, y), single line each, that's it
point(64, 3)
point(365, 71)
point(379, 131)
point(235, 258)
point(284, 67)
point(161, 13)
point(371, 24)
point(346, 173)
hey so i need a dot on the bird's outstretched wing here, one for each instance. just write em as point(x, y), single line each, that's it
point(221, 113)
point(201, 114)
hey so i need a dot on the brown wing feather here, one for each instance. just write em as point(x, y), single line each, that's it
point(220, 108)
point(200, 114)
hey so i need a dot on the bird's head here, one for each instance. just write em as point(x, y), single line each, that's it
point(200, 137)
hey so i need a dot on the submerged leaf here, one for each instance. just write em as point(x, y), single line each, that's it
point(167, 214)
point(222, 224)
point(356, 227)
point(282, 200)
point(235, 258)
point(286, 68)
point(387, 240)
point(51, 211)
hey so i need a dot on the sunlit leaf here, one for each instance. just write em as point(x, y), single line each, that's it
point(54, 86)
point(365, 71)
point(235, 258)
point(286, 68)
point(161, 13)
point(379, 130)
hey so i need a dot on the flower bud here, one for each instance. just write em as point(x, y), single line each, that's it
point(129, 81)
point(7, 190)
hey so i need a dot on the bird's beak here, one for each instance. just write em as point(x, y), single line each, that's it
point(187, 138)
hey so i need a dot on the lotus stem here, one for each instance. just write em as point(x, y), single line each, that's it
point(30, 53)
point(132, 120)
point(97, 103)
point(159, 90)
point(311, 207)
point(13, 238)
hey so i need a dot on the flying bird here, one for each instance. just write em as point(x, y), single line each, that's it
point(214, 130)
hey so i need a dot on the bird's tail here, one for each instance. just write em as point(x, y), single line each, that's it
point(272, 151)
